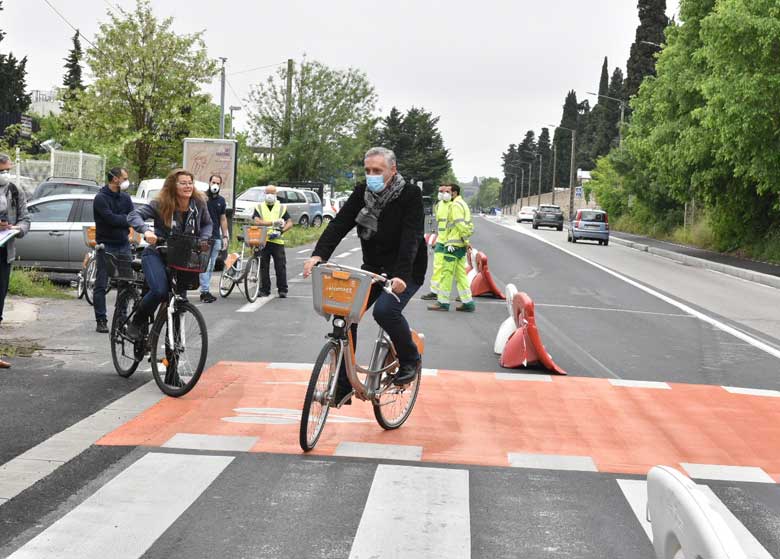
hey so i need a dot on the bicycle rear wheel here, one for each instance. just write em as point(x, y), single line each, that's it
point(125, 353)
point(90, 275)
point(316, 404)
point(227, 281)
point(177, 367)
point(395, 405)
point(252, 279)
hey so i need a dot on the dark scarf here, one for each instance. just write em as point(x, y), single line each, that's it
point(368, 218)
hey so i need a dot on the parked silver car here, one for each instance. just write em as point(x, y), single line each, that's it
point(297, 204)
point(55, 241)
point(315, 207)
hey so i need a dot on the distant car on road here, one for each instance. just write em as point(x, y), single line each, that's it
point(548, 215)
point(297, 204)
point(591, 225)
point(526, 213)
point(315, 207)
point(63, 185)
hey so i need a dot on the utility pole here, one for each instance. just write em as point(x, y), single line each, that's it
point(514, 200)
point(522, 178)
point(222, 100)
point(287, 127)
point(539, 192)
point(572, 173)
point(554, 169)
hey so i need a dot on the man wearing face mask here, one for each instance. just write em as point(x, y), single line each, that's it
point(388, 213)
point(274, 214)
point(110, 208)
point(217, 207)
point(442, 211)
point(14, 217)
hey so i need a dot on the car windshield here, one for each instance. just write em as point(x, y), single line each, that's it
point(527, 209)
point(252, 195)
point(549, 209)
point(592, 216)
point(51, 188)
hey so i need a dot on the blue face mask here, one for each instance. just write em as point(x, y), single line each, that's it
point(375, 183)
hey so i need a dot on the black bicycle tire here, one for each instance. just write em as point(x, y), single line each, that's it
point(303, 437)
point(229, 290)
point(252, 298)
point(383, 423)
point(120, 298)
point(80, 285)
point(89, 294)
point(154, 336)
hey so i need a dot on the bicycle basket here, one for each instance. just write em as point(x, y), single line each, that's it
point(185, 254)
point(119, 266)
point(255, 235)
point(90, 236)
point(340, 293)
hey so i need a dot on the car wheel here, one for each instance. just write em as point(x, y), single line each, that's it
point(304, 221)
point(560, 228)
point(535, 226)
point(606, 242)
point(327, 219)
point(317, 221)
point(573, 239)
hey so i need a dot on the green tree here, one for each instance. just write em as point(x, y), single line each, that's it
point(13, 75)
point(544, 148)
point(72, 80)
point(418, 146)
point(641, 61)
point(145, 92)
point(562, 138)
point(489, 194)
point(331, 110)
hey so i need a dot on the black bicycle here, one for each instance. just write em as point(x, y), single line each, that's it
point(176, 340)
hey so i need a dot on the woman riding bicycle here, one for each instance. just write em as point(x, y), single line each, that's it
point(388, 213)
point(178, 209)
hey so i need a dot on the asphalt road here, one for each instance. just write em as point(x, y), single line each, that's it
point(281, 504)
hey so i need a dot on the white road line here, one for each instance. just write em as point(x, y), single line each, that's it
point(604, 309)
point(356, 249)
point(552, 462)
point(223, 443)
point(415, 513)
point(726, 473)
point(304, 251)
point(635, 492)
point(18, 474)
point(639, 383)
point(758, 344)
point(752, 391)
point(125, 517)
point(252, 307)
point(430, 372)
point(379, 451)
point(344, 255)
point(292, 366)
point(529, 377)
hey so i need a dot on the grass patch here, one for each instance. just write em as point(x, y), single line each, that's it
point(27, 282)
point(19, 348)
point(296, 236)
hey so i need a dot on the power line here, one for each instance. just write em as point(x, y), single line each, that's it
point(257, 68)
point(230, 85)
point(69, 24)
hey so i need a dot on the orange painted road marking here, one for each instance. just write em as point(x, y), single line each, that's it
point(476, 418)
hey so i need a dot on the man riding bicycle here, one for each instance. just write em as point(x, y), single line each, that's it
point(178, 209)
point(388, 213)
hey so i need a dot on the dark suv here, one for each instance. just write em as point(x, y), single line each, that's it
point(548, 215)
point(59, 185)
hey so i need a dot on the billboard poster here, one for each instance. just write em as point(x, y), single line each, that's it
point(204, 157)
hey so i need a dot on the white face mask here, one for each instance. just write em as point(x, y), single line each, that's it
point(446, 197)
point(124, 185)
point(214, 188)
point(270, 198)
point(5, 178)
point(441, 196)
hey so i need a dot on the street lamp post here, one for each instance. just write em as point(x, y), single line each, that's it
point(233, 108)
point(622, 111)
point(572, 165)
point(554, 169)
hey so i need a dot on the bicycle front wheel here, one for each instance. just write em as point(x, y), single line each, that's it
point(316, 403)
point(90, 275)
point(80, 285)
point(395, 404)
point(125, 353)
point(227, 280)
point(252, 279)
point(178, 349)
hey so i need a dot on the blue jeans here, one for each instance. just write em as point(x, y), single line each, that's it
point(101, 278)
point(205, 277)
point(156, 277)
point(388, 313)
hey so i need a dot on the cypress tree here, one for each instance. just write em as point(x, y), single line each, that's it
point(562, 138)
point(617, 89)
point(13, 74)
point(544, 148)
point(72, 78)
point(604, 80)
point(641, 61)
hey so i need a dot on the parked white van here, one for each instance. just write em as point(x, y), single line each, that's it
point(149, 189)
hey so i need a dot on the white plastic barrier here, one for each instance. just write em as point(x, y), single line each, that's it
point(685, 522)
point(507, 327)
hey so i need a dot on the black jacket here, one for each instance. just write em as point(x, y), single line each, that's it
point(110, 210)
point(398, 247)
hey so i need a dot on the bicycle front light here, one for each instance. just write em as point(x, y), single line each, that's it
point(339, 323)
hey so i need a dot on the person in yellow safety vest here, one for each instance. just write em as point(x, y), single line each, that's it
point(441, 211)
point(274, 214)
point(455, 244)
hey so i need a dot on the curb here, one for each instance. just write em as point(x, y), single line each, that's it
point(749, 275)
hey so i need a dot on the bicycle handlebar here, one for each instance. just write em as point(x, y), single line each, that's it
point(387, 286)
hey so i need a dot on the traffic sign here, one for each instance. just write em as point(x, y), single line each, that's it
point(578, 192)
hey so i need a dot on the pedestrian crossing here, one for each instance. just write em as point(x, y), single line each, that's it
point(170, 503)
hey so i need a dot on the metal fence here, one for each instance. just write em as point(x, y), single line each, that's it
point(66, 164)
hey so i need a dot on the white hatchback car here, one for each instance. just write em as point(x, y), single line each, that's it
point(526, 213)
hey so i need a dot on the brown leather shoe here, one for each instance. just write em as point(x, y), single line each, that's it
point(4, 364)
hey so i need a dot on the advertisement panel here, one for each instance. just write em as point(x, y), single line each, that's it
point(204, 157)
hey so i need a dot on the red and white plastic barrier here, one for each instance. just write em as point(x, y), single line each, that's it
point(509, 326)
point(483, 283)
point(524, 346)
point(685, 522)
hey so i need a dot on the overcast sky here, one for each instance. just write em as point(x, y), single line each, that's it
point(491, 69)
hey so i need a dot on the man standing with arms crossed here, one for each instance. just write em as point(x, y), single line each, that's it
point(442, 211)
point(455, 244)
point(217, 206)
point(110, 209)
point(273, 213)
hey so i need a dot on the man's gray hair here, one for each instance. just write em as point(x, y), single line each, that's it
point(384, 152)
point(4, 158)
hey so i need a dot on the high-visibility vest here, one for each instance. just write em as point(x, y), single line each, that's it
point(272, 214)
point(442, 213)
point(459, 224)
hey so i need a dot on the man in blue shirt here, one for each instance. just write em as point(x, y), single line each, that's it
point(217, 207)
point(110, 208)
